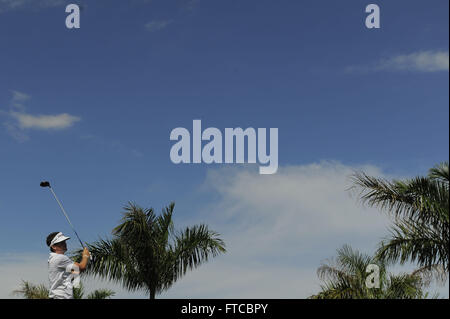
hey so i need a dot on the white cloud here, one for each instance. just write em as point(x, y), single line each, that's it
point(425, 61)
point(157, 25)
point(308, 198)
point(44, 122)
point(19, 120)
point(278, 229)
point(422, 61)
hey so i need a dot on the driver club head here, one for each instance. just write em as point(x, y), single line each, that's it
point(45, 184)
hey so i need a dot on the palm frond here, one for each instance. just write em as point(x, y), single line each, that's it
point(345, 278)
point(420, 211)
point(194, 246)
point(440, 172)
point(414, 241)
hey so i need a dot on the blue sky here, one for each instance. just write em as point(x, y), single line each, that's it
point(342, 96)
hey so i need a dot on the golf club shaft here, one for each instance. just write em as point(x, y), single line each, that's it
point(67, 217)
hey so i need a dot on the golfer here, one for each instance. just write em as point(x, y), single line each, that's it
point(61, 269)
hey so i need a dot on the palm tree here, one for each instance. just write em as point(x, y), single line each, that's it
point(101, 294)
point(78, 293)
point(147, 254)
point(345, 278)
point(32, 291)
point(420, 207)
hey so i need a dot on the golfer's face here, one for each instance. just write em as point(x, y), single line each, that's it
point(62, 246)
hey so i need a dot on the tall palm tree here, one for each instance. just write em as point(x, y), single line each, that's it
point(32, 291)
point(345, 278)
point(146, 253)
point(420, 207)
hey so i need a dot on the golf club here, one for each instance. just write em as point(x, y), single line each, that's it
point(47, 184)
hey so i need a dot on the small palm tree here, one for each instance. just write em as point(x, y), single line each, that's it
point(345, 278)
point(420, 207)
point(101, 294)
point(146, 253)
point(78, 293)
point(32, 291)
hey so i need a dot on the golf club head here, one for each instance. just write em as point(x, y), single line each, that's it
point(45, 184)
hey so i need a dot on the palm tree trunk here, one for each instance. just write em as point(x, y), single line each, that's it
point(152, 294)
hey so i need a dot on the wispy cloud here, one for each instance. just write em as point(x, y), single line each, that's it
point(191, 4)
point(157, 25)
point(19, 97)
point(19, 120)
point(7, 5)
point(423, 61)
point(44, 122)
point(15, 132)
point(111, 145)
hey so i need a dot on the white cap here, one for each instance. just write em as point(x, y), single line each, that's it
point(59, 237)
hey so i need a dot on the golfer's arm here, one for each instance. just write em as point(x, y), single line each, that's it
point(83, 264)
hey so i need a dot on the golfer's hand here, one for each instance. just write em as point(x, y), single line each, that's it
point(86, 253)
point(84, 261)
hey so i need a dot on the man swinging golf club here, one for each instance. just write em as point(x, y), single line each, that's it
point(61, 269)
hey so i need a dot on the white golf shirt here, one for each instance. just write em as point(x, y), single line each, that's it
point(60, 276)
